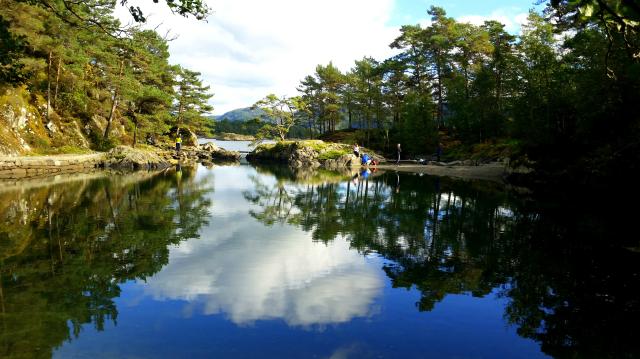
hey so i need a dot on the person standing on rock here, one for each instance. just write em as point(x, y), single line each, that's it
point(399, 150)
point(178, 144)
point(356, 150)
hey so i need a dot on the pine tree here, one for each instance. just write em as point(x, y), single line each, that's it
point(191, 102)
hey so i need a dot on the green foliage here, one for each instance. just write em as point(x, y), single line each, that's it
point(47, 299)
point(565, 89)
point(282, 114)
point(333, 154)
point(418, 133)
point(191, 106)
point(66, 149)
point(10, 51)
point(82, 71)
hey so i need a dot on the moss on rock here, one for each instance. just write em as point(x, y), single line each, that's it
point(308, 153)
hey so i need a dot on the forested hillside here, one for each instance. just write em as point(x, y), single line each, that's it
point(73, 77)
point(561, 95)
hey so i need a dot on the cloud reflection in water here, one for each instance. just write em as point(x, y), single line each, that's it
point(250, 272)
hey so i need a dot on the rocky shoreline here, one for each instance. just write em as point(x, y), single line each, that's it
point(120, 158)
point(335, 156)
point(33, 166)
point(308, 154)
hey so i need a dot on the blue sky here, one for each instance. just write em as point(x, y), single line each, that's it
point(248, 49)
point(412, 11)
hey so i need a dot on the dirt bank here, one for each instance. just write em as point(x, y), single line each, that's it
point(494, 172)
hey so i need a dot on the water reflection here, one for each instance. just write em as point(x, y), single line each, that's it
point(248, 272)
point(65, 248)
point(316, 252)
point(284, 277)
point(570, 286)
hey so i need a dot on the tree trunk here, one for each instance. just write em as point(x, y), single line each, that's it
point(466, 82)
point(135, 132)
point(55, 93)
point(49, 87)
point(440, 101)
point(114, 104)
point(179, 118)
point(498, 90)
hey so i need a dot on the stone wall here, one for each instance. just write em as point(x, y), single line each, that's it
point(20, 167)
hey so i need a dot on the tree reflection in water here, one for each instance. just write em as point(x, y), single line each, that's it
point(66, 248)
point(570, 285)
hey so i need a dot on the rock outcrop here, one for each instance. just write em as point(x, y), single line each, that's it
point(210, 152)
point(348, 160)
point(309, 154)
point(295, 154)
point(123, 157)
point(26, 128)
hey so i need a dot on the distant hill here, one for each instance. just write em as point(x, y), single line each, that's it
point(239, 122)
point(240, 114)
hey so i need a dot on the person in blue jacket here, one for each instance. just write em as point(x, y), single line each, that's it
point(365, 159)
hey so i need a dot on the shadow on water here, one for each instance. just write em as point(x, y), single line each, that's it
point(66, 248)
point(569, 282)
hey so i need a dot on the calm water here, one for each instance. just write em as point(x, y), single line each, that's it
point(251, 262)
point(244, 146)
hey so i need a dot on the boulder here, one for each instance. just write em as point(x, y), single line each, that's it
point(224, 155)
point(189, 138)
point(209, 146)
point(124, 157)
point(303, 156)
point(348, 160)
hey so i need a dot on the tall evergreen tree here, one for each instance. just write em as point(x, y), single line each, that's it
point(191, 102)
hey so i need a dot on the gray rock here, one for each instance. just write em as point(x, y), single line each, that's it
point(191, 139)
point(123, 157)
point(209, 146)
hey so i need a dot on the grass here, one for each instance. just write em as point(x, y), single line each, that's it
point(63, 150)
point(491, 150)
point(145, 147)
point(332, 154)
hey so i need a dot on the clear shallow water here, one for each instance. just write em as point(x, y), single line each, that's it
point(251, 262)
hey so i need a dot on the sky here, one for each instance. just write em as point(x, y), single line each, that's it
point(250, 48)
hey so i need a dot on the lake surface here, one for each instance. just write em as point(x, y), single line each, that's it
point(244, 146)
point(246, 262)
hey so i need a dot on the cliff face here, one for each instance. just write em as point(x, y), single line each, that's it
point(25, 129)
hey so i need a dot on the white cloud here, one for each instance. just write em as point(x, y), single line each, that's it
point(249, 48)
point(512, 18)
